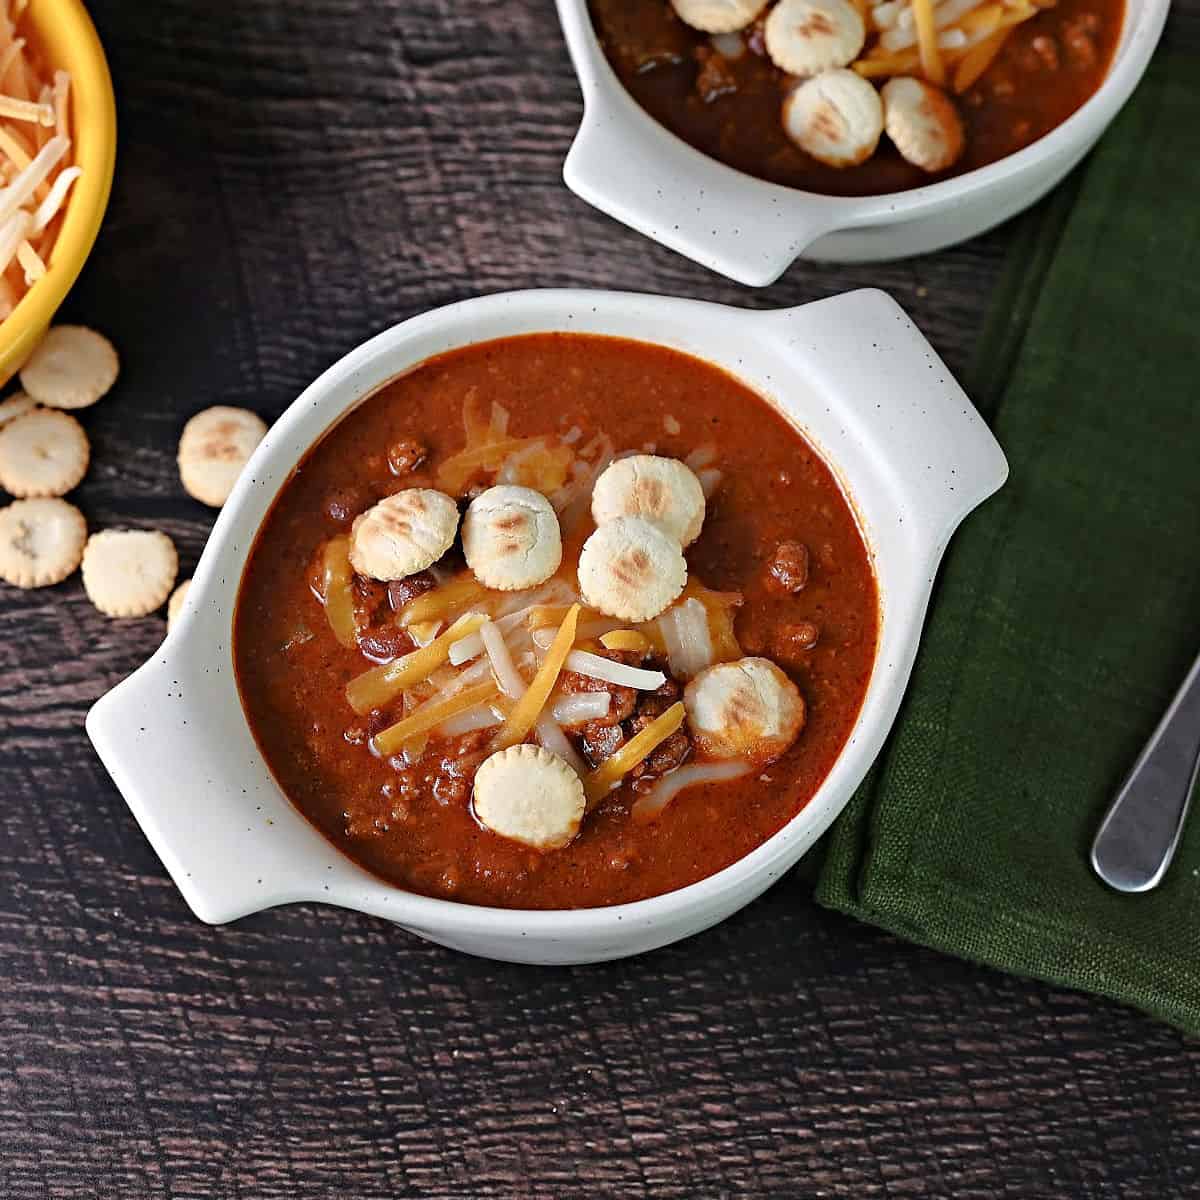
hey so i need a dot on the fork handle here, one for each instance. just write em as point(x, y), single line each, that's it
point(1137, 838)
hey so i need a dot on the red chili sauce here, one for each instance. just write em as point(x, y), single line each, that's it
point(778, 531)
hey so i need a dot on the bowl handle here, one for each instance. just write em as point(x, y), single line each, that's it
point(715, 216)
point(625, 164)
point(932, 450)
point(174, 740)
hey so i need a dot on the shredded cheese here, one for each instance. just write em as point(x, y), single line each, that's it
point(442, 602)
point(454, 473)
point(482, 716)
point(31, 262)
point(978, 58)
point(720, 607)
point(540, 467)
point(475, 424)
point(626, 639)
point(553, 739)
point(686, 634)
point(609, 773)
point(48, 209)
point(380, 685)
point(18, 193)
point(543, 616)
point(919, 37)
point(423, 632)
point(647, 807)
point(427, 717)
point(337, 594)
point(885, 66)
point(11, 144)
point(529, 707)
point(26, 110)
point(62, 88)
point(927, 42)
point(573, 708)
point(507, 676)
point(11, 52)
point(596, 666)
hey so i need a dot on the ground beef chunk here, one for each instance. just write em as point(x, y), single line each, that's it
point(378, 719)
point(1046, 49)
point(369, 594)
point(600, 741)
point(715, 77)
point(1079, 38)
point(630, 712)
point(790, 643)
point(453, 775)
point(655, 703)
point(450, 787)
point(345, 504)
point(788, 569)
point(405, 456)
point(375, 815)
point(377, 637)
point(671, 753)
point(401, 591)
point(382, 643)
point(670, 690)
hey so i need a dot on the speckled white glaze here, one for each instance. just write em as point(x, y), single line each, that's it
point(629, 166)
point(853, 372)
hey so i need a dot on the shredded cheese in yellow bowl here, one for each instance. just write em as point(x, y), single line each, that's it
point(54, 89)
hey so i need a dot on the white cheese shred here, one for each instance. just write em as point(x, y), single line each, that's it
point(552, 738)
point(26, 110)
point(503, 667)
point(686, 636)
point(583, 662)
point(573, 708)
point(651, 805)
point(26, 183)
point(48, 209)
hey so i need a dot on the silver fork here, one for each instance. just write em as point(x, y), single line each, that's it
point(1137, 838)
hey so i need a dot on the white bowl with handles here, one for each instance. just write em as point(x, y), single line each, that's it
point(626, 164)
point(852, 372)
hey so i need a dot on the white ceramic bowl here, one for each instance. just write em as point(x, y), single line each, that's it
point(631, 167)
point(852, 371)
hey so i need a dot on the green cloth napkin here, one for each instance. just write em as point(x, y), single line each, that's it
point(1068, 610)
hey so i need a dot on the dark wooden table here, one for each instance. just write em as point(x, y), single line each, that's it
point(295, 175)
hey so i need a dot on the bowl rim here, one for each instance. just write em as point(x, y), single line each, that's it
point(289, 439)
point(605, 96)
point(65, 33)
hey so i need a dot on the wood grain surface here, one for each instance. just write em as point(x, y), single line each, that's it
point(293, 176)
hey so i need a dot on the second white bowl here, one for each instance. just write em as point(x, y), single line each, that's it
point(628, 165)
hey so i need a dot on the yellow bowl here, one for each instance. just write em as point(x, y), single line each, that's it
point(64, 36)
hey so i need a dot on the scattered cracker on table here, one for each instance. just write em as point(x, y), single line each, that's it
point(41, 542)
point(213, 449)
point(129, 572)
point(72, 367)
point(175, 604)
point(43, 453)
point(14, 406)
